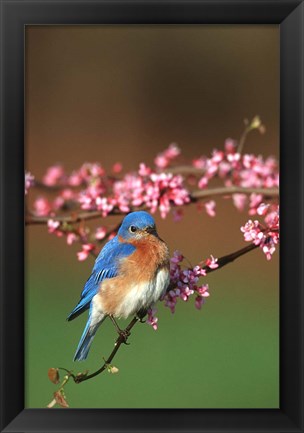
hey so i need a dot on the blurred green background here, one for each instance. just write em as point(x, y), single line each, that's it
point(124, 93)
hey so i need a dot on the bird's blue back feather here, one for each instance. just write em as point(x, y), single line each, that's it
point(106, 266)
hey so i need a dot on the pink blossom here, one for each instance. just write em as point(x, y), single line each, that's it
point(58, 203)
point(233, 157)
point(91, 170)
point(53, 175)
point(105, 205)
point(86, 248)
point(164, 189)
point(67, 194)
point(252, 232)
point(230, 146)
point(185, 293)
point(217, 156)
point(152, 319)
point(262, 209)
point(117, 168)
point(75, 179)
point(199, 163)
point(239, 201)
point(177, 257)
point(100, 232)
point(267, 238)
point(210, 208)
point(203, 182)
point(144, 170)
point(171, 299)
point(203, 290)
point(177, 215)
point(53, 227)
point(269, 249)
point(29, 181)
point(42, 206)
point(254, 202)
point(71, 238)
point(163, 159)
point(212, 263)
point(199, 301)
point(185, 282)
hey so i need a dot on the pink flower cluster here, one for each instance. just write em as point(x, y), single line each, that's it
point(152, 319)
point(235, 169)
point(265, 235)
point(165, 158)
point(54, 228)
point(86, 249)
point(90, 188)
point(185, 283)
point(87, 174)
point(155, 191)
point(105, 193)
point(54, 175)
point(43, 206)
point(58, 229)
point(81, 234)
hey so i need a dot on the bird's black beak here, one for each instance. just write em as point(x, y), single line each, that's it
point(152, 230)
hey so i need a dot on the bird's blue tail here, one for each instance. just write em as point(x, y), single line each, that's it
point(87, 339)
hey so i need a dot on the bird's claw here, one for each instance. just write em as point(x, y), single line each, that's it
point(124, 335)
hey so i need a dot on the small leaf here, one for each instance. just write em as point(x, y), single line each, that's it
point(60, 399)
point(53, 375)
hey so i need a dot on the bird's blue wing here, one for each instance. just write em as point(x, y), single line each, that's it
point(106, 266)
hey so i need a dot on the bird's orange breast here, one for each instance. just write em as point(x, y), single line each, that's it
point(136, 273)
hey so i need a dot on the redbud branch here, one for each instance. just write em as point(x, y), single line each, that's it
point(70, 219)
point(267, 192)
point(194, 197)
point(120, 340)
point(229, 258)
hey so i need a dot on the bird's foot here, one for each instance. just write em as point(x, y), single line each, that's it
point(124, 335)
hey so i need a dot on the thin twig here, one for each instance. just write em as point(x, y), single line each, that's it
point(229, 258)
point(120, 340)
point(226, 191)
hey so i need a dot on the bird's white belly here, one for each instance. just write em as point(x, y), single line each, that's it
point(144, 294)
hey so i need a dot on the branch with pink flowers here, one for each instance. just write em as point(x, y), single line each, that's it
point(65, 202)
point(195, 196)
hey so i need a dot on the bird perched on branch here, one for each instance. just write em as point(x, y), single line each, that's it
point(130, 274)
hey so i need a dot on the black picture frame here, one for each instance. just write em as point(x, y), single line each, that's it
point(289, 15)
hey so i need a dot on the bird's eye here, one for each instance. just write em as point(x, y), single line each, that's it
point(132, 229)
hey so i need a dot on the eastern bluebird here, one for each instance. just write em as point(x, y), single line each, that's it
point(130, 274)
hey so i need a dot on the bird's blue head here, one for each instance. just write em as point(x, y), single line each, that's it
point(137, 225)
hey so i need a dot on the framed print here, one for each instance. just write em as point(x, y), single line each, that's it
point(152, 136)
